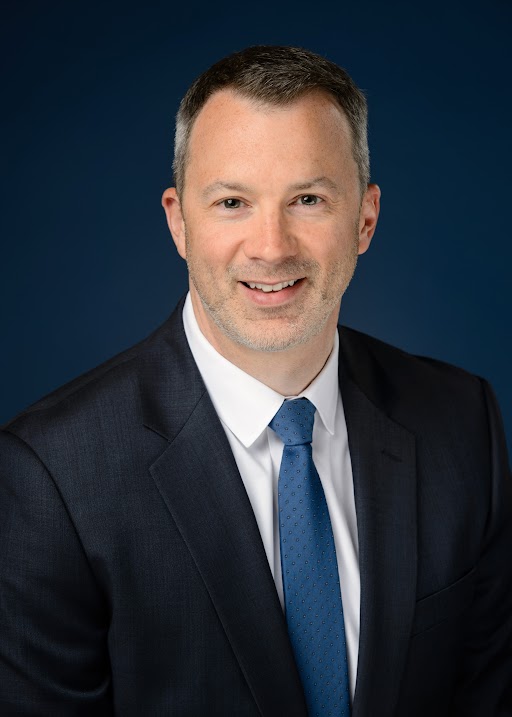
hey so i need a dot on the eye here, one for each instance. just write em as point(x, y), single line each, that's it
point(231, 203)
point(309, 200)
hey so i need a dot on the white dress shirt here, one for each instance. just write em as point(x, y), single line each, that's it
point(245, 407)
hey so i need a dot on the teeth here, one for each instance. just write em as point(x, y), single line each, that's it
point(272, 287)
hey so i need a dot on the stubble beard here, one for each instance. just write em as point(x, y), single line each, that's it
point(296, 328)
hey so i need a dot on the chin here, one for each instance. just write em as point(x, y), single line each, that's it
point(271, 341)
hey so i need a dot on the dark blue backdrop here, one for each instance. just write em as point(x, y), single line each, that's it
point(89, 95)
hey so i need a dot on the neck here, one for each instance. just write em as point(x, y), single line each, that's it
point(287, 372)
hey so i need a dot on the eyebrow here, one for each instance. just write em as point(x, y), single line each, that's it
point(316, 182)
point(244, 188)
point(230, 186)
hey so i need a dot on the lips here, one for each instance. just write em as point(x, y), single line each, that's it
point(267, 288)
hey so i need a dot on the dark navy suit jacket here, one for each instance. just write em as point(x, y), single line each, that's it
point(133, 579)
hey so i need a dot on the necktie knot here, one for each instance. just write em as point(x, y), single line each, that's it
point(293, 423)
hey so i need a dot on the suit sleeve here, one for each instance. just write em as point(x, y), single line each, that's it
point(53, 617)
point(486, 683)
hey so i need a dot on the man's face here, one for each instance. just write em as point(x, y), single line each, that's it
point(271, 198)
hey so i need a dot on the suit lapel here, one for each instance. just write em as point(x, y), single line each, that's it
point(201, 486)
point(383, 463)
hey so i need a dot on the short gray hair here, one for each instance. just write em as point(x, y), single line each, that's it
point(274, 75)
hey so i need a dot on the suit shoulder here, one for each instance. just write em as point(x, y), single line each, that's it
point(444, 406)
point(82, 400)
point(409, 380)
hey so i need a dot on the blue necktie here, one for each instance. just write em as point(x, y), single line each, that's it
point(314, 610)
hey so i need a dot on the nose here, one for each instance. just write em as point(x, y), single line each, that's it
point(271, 239)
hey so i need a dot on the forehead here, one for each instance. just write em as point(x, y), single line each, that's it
point(232, 131)
point(232, 108)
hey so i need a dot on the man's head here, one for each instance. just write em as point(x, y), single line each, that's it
point(278, 76)
point(271, 188)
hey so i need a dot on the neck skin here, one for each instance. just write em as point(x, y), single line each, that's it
point(287, 372)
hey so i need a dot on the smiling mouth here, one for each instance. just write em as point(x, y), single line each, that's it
point(271, 287)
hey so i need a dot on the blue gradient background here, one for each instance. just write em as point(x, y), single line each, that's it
point(90, 92)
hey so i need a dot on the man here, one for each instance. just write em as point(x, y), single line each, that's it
point(254, 512)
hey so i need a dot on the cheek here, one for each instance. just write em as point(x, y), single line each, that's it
point(331, 249)
point(339, 259)
point(208, 254)
point(223, 244)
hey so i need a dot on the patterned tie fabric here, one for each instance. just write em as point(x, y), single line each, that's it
point(314, 610)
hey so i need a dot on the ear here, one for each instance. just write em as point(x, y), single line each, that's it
point(368, 216)
point(175, 221)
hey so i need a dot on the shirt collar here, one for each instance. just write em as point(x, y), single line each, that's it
point(244, 404)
